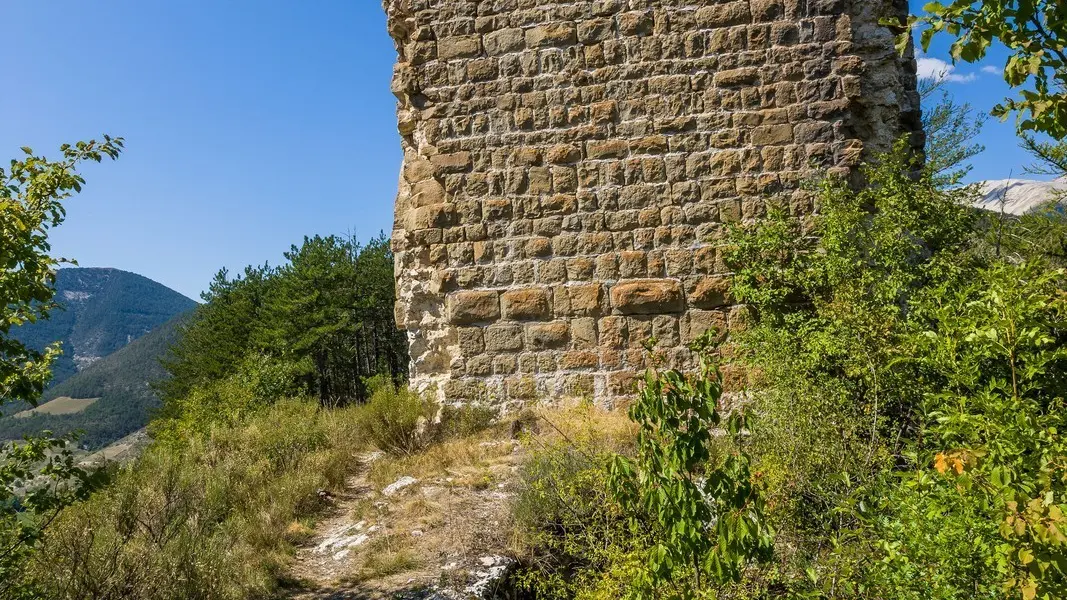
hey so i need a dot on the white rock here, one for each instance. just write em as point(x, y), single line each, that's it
point(487, 580)
point(370, 457)
point(399, 484)
point(342, 539)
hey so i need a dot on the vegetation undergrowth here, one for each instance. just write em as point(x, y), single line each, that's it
point(569, 532)
point(899, 434)
point(232, 483)
point(210, 516)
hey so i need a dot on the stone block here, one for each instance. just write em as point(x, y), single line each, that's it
point(579, 384)
point(648, 296)
point(427, 192)
point(563, 154)
point(607, 149)
point(482, 70)
point(579, 300)
point(711, 292)
point(737, 77)
point(771, 135)
point(551, 34)
point(696, 322)
point(547, 336)
point(464, 46)
point(504, 41)
point(504, 338)
point(583, 333)
point(431, 217)
point(526, 304)
point(573, 360)
point(639, 22)
point(723, 15)
point(456, 162)
point(592, 31)
point(613, 332)
point(521, 388)
point(471, 342)
point(469, 307)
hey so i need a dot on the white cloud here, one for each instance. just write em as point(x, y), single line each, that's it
point(939, 70)
point(992, 70)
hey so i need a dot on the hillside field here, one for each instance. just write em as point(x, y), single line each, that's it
point(63, 405)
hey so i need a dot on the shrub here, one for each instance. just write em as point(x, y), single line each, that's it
point(464, 420)
point(908, 392)
point(989, 463)
point(572, 533)
point(699, 503)
point(402, 421)
point(397, 419)
point(572, 530)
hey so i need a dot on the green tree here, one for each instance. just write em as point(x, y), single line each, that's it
point(950, 129)
point(333, 310)
point(325, 318)
point(381, 347)
point(31, 194)
point(220, 334)
point(38, 477)
point(311, 316)
point(1035, 32)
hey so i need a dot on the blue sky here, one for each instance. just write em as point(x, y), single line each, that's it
point(248, 123)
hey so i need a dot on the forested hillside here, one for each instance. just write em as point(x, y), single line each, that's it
point(122, 384)
point(100, 311)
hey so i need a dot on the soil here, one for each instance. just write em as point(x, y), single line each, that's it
point(444, 536)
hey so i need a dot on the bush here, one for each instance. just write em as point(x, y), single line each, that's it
point(464, 420)
point(397, 419)
point(696, 498)
point(572, 533)
point(907, 382)
point(402, 421)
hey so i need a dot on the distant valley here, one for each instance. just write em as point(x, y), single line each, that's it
point(114, 327)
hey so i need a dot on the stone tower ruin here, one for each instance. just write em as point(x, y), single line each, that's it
point(569, 165)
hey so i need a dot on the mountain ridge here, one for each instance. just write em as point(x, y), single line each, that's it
point(121, 382)
point(101, 310)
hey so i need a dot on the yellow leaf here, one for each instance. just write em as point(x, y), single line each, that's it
point(940, 463)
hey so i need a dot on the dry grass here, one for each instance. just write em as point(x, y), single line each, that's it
point(581, 424)
point(466, 460)
point(385, 557)
point(461, 508)
point(63, 405)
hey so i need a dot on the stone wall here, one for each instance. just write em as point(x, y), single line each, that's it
point(569, 165)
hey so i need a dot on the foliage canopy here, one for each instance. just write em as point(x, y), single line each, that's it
point(1035, 32)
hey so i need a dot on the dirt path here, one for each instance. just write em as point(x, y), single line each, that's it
point(440, 535)
point(321, 563)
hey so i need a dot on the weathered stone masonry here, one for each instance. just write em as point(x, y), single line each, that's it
point(569, 164)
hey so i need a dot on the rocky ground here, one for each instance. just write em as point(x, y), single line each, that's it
point(428, 526)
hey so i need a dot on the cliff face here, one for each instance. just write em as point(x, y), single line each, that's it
point(568, 166)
